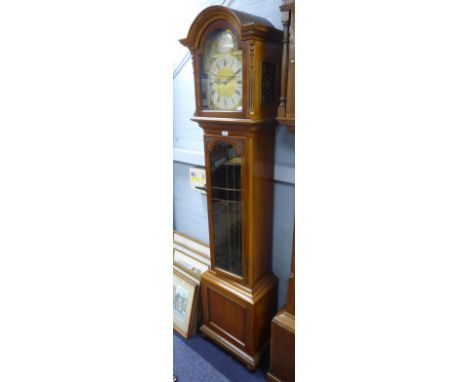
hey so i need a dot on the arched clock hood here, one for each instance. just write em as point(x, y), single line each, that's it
point(250, 27)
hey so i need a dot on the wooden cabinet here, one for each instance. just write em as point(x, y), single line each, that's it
point(282, 354)
point(237, 60)
point(286, 109)
point(282, 347)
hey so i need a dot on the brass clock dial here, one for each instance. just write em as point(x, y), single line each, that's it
point(225, 83)
point(222, 73)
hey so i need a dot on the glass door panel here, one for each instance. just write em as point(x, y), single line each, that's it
point(226, 202)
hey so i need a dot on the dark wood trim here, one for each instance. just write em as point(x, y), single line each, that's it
point(284, 64)
point(286, 108)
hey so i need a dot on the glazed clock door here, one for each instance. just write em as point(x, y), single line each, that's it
point(226, 198)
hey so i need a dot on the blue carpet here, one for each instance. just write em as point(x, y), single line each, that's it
point(190, 367)
point(215, 360)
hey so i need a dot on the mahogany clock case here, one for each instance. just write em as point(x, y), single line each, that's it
point(239, 293)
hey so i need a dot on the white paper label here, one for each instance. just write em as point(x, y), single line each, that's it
point(225, 133)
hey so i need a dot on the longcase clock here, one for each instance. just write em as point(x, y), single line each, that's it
point(237, 64)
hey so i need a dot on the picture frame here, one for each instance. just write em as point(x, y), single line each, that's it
point(198, 316)
point(185, 303)
point(192, 244)
point(193, 266)
point(195, 255)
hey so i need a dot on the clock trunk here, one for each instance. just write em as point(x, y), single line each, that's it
point(239, 293)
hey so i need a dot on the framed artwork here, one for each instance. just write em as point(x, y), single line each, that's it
point(192, 244)
point(189, 264)
point(185, 303)
point(197, 317)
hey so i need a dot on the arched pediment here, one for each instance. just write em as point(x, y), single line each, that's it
point(248, 27)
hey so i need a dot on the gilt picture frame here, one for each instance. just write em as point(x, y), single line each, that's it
point(193, 266)
point(193, 254)
point(192, 244)
point(185, 303)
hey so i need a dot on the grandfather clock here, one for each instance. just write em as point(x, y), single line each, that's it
point(237, 60)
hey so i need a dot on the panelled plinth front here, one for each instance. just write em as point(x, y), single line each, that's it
point(236, 317)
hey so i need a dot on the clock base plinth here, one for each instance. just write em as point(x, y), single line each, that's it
point(236, 317)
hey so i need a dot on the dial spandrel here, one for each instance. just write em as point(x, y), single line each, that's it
point(221, 73)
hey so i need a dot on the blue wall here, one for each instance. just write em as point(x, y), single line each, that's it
point(190, 208)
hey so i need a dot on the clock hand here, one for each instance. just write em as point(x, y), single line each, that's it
point(230, 77)
point(226, 79)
